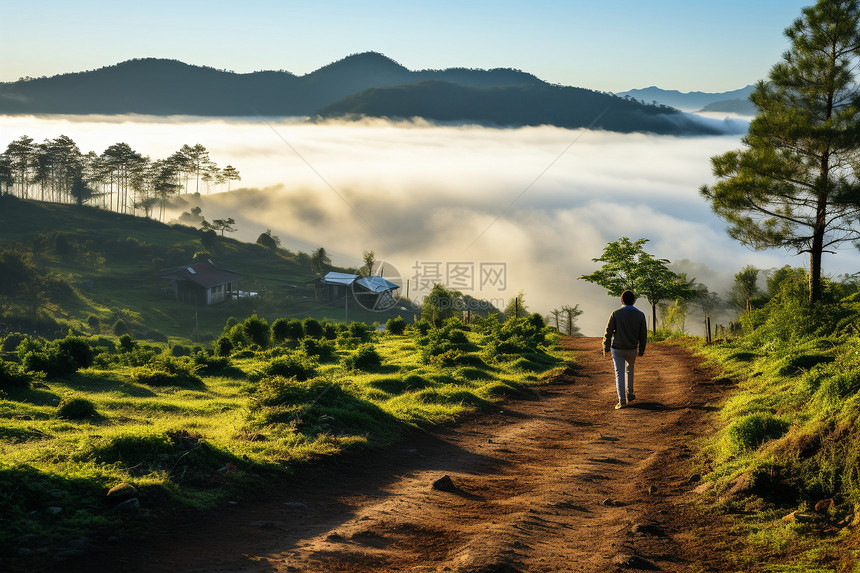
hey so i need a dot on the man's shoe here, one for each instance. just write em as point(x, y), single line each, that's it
point(619, 405)
point(631, 396)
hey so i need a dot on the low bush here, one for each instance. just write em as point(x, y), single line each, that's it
point(321, 349)
point(284, 329)
point(366, 358)
point(77, 409)
point(395, 325)
point(293, 365)
point(168, 371)
point(753, 430)
point(313, 328)
point(12, 376)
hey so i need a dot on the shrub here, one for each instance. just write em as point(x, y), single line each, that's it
point(76, 409)
point(168, 371)
point(127, 343)
point(366, 358)
point(330, 331)
point(256, 330)
point(119, 327)
point(284, 329)
point(753, 430)
point(11, 342)
point(12, 375)
point(178, 350)
point(210, 363)
point(322, 349)
point(313, 328)
point(77, 349)
point(292, 365)
point(395, 325)
point(223, 346)
point(94, 323)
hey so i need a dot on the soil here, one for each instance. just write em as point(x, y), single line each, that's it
point(554, 480)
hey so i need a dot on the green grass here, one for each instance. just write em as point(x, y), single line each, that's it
point(173, 442)
point(108, 268)
point(791, 429)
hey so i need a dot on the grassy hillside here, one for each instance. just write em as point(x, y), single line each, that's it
point(96, 267)
point(785, 465)
point(112, 416)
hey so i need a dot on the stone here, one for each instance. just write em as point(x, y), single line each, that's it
point(799, 517)
point(121, 492)
point(128, 506)
point(704, 487)
point(824, 505)
point(635, 562)
point(740, 486)
point(444, 483)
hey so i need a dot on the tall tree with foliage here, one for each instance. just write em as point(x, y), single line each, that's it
point(626, 266)
point(795, 183)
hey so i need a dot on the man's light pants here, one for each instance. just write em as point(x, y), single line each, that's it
point(621, 358)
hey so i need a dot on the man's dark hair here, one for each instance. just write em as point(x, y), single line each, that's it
point(627, 297)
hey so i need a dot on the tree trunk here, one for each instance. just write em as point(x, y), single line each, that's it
point(653, 317)
point(817, 248)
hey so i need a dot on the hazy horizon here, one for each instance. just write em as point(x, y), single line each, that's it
point(416, 192)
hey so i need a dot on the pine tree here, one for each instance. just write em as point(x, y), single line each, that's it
point(794, 185)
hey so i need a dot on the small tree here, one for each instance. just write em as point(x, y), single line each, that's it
point(369, 261)
point(517, 306)
point(441, 304)
point(223, 225)
point(626, 266)
point(571, 313)
point(745, 288)
point(320, 260)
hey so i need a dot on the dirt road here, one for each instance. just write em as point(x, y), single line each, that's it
point(554, 481)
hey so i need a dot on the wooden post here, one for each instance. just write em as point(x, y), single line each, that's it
point(708, 328)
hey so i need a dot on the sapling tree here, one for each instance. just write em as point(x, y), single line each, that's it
point(626, 266)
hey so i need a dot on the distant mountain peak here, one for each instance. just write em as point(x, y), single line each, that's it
point(371, 60)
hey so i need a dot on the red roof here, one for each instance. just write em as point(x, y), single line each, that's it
point(204, 274)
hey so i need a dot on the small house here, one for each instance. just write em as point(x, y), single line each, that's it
point(373, 292)
point(203, 283)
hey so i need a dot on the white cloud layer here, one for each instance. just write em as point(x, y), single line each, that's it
point(543, 200)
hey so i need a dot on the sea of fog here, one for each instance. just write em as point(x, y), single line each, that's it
point(488, 211)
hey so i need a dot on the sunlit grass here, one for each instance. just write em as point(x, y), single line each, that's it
point(195, 445)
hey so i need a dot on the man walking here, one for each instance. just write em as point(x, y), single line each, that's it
point(625, 336)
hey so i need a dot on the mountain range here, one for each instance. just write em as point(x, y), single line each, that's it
point(735, 101)
point(367, 84)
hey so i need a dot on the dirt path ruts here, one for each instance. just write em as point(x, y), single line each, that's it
point(557, 481)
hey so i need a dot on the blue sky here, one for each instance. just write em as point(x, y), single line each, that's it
point(612, 46)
